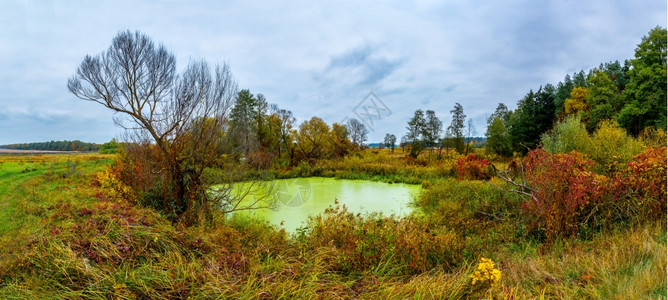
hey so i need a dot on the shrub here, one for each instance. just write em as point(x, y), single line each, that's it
point(567, 197)
point(564, 191)
point(472, 167)
point(645, 179)
point(566, 136)
point(610, 147)
point(378, 243)
point(116, 189)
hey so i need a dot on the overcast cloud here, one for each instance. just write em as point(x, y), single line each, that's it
point(316, 57)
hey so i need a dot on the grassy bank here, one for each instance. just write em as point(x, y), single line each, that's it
point(67, 237)
point(373, 164)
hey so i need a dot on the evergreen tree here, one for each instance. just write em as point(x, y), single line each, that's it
point(456, 128)
point(414, 136)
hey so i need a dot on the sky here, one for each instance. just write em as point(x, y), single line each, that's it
point(377, 61)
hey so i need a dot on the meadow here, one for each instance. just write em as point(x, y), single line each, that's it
point(69, 231)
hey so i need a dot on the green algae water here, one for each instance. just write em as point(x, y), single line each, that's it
point(297, 198)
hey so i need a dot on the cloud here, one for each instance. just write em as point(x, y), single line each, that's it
point(360, 67)
point(317, 58)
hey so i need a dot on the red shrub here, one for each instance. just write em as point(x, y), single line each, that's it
point(472, 167)
point(645, 181)
point(563, 186)
point(568, 196)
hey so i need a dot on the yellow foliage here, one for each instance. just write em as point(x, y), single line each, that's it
point(485, 273)
point(576, 103)
point(115, 188)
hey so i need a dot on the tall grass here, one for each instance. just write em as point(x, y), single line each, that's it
point(67, 238)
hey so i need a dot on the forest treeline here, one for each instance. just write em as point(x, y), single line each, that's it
point(75, 145)
point(631, 94)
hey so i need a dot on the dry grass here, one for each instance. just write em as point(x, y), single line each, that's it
point(63, 238)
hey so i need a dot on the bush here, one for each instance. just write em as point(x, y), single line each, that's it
point(472, 167)
point(564, 191)
point(610, 147)
point(567, 198)
point(645, 180)
point(378, 243)
point(566, 136)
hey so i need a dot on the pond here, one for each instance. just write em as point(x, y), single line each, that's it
point(298, 198)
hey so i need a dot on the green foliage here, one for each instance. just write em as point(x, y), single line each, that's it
point(456, 128)
point(645, 92)
point(415, 133)
point(390, 141)
point(610, 147)
point(75, 145)
point(432, 129)
point(566, 136)
point(110, 147)
point(534, 116)
point(601, 99)
point(498, 139)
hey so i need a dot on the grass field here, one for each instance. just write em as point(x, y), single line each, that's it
point(64, 237)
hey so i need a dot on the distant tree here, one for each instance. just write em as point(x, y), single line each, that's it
point(618, 73)
point(414, 136)
point(311, 139)
point(244, 119)
point(261, 125)
point(432, 129)
point(579, 79)
point(498, 139)
point(456, 128)
point(534, 115)
point(286, 136)
point(562, 92)
point(357, 131)
point(403, 144)
point(174, 120)
point(470, 132)
point(390, 141)
point(339, 144)
point(577, 103)
point(501, 112)
point(110, 147)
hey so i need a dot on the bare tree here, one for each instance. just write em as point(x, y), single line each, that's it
point(358, 132)
point(181, 117)
point(470, 132)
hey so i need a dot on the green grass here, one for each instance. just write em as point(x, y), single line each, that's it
point(64, 238)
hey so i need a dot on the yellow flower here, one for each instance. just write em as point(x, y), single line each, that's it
point(485, 273)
